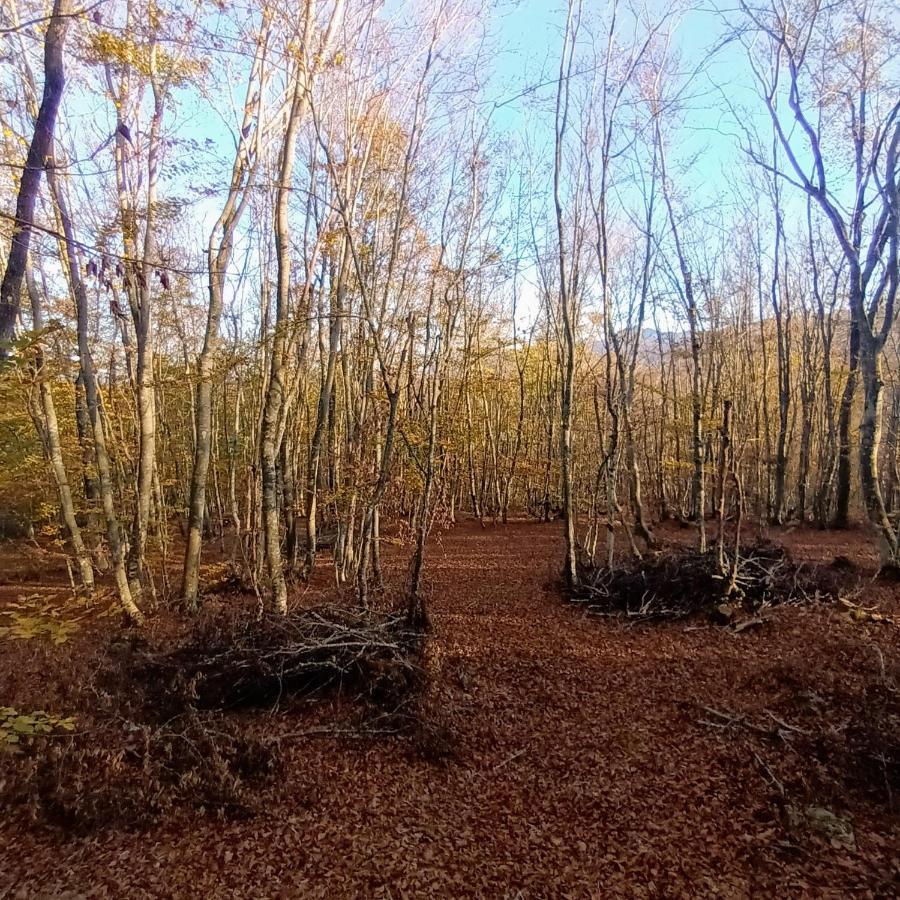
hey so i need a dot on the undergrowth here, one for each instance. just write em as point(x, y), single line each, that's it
point(674, 583)
point(174, 727)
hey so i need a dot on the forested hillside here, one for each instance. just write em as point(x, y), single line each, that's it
point(339, 338)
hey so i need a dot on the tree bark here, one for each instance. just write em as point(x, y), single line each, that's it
point(39, 151)
point(92, 396)
point(47, 425)
point(218, 255)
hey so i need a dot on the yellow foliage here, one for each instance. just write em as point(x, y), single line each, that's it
point(37, 617)
point(112, 48)
point(16, 728)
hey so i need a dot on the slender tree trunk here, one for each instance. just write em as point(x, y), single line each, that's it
point(844, 470)
point(322, 411)
point(567, 303)
point(46, 422)
point(92, 395)
point(39, 152)
point(724, 450)
point(870, 441)
point(218, 254)
point(273, 406)
point(697, 492)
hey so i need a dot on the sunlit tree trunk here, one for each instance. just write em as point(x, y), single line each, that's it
point(39, 151)
point(218, 255)
point(92, 396)
point(47, 425)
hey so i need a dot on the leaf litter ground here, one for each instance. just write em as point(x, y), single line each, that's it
point(591, 756)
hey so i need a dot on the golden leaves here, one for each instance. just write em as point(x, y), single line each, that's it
point(16, 728)
point(36, 617)
point(107, 47)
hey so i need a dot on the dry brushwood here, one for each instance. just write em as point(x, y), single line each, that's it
point(133, 774)
point(675, 584)
point(164, 731)
point(827, 741)
point(260, 663)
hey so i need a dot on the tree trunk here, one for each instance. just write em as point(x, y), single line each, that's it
point(38, 154)
point(44, 413)
point(869, 443)
point(844, 471)
point(92, 396)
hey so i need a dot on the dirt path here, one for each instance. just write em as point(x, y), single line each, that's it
point(581, 771)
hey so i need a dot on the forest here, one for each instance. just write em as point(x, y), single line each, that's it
point(449, 448)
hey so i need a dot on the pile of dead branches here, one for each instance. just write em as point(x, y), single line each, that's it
point(819, 737)
point(169, 727)
point(243, 664)
point(119, 772)
point(675, 583)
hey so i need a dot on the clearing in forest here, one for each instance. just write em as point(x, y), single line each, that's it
point(586, 755)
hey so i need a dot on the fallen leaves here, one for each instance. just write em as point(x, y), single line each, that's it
point(37, 617)
point(619, 791)
point(17, 728)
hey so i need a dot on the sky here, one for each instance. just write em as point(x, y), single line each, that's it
point(523, 84)
point(529, 36)
point(519, 83)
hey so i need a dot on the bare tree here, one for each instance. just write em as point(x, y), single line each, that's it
point(38, 152)
point(219, 251)
point(867, 227)
point(568, 287)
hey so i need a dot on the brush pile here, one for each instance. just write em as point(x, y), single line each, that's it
point(259, 664)
point(672, 584)
point(176, 727)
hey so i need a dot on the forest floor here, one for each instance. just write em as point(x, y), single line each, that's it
point(592, 757)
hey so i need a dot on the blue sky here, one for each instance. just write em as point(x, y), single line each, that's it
point(524, 37)
point(528, 36)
